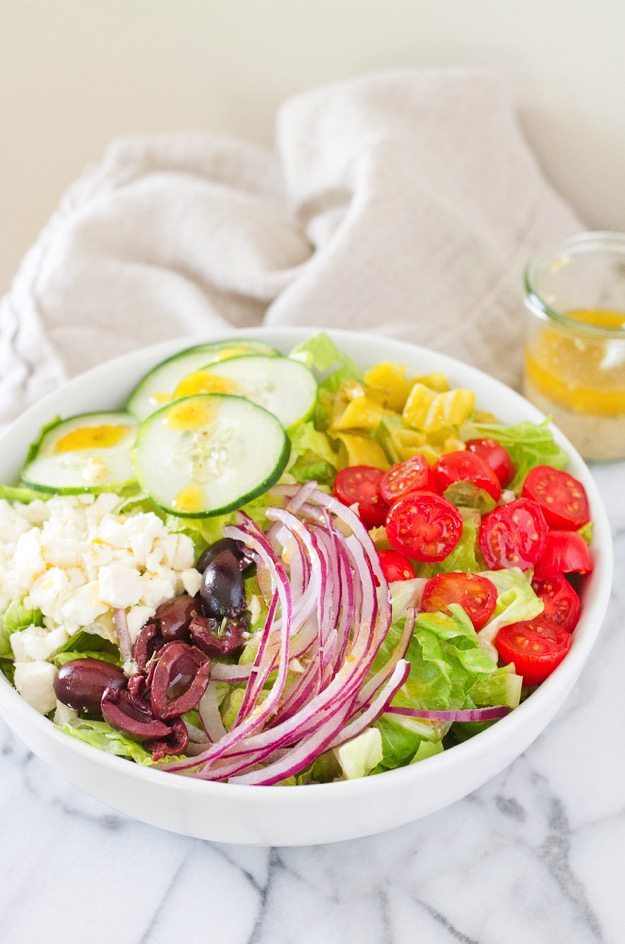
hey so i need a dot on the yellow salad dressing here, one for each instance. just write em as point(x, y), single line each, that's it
point(92, 437)
point(580, 380)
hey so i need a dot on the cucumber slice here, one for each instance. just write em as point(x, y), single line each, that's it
point(91, 452)
point(208, 454)
point(285, 387)
point(159, 386)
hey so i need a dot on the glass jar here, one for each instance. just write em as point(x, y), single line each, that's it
point(575, 351)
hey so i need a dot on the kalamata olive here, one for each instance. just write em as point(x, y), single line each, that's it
point(81, 683)
point(222, 589)
point(179, 680)
point(174, 617)
point(240, 551)
point(218, 637)
point(175, 742)
point(132, 715)
point(146, 644)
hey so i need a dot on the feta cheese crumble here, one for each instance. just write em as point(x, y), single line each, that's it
point(76, 561)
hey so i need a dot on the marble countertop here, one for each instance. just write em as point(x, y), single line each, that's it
point(537, 855)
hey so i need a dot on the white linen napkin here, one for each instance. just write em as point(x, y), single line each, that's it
point(402, 203)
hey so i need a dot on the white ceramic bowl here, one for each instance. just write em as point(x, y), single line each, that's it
point(328, 812)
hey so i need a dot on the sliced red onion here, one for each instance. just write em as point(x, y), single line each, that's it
point(454, 714)
point(332, 612)
point(210, 718)
point(123, 636)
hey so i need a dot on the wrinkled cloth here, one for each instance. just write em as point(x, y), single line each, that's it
point(399, 203)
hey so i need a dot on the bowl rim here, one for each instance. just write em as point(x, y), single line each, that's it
point(483, 743)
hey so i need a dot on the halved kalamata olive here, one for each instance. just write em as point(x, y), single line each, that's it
point(175, 742)
point(132, 715)
point(147, 643)
point(222, 589)
point(179, 680)
point(175, 615)
point(81, 683)
point(218, 637)
point(240, 551)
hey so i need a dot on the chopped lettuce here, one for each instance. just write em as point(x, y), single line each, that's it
point(331, 368)
point(102, 735)
point(468, 495)
point(312, 456)
point(448, 669)
point(529, 445)
point(516, 601)
point(16, 618)
point(87, 645)
point(358, 756)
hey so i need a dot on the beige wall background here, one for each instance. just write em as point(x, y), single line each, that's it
point(76, 73)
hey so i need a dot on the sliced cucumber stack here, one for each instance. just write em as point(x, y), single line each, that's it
point(208, 454)
point(285, 387)
point(175, 377)
point(87, 453)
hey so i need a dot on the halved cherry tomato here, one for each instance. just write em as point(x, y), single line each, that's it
point(565, 552)
point(496, 456)
point(561, 601)
point(513, 535)
point(358, 485)
point(424, 526)
point(562, 498)
point(410, 476)
point(476, 595)
point(395, 566)
point(464, 466)
point(535, 646)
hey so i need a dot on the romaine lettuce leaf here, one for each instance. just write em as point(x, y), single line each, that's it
point(100, 734)
point(16, 618)
point(529, 445)
point(331, 368)
point(329, 364)
point(358, 756)
point(516, 601)
point(448, 669)
point(312, 456)
point(86, 645)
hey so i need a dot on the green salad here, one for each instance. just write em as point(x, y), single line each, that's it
point(285, 569)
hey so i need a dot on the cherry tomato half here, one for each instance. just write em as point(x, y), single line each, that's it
point(565, 552)
point(410, 476)
point(513, 535)
point(535, 646)
point(496, 456)
point(358, 485)
point(562, 498)
point(465, 466)
point(424, 526)
point(476, 595)
point(395, 566)
point(561, 601)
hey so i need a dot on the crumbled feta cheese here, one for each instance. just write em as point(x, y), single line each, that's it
point(35, 643)
point(191, 581)
point(136, 619)
point(35, 682)
point(120, 586)
point(76, 560)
